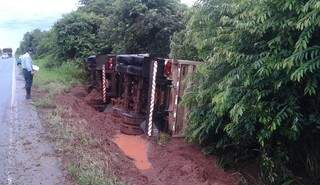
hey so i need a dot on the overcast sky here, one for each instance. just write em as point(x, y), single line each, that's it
point(20, 16)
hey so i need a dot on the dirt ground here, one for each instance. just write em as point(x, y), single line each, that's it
point(139, 160)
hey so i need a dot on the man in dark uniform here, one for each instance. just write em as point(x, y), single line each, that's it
point(26, 62)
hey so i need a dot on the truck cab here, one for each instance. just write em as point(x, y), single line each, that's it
point(6, 53)
point(5, 56)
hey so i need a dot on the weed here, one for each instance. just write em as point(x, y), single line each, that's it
point(57, 79)
point(90, 175)
point(163, 138)
point(44, 102)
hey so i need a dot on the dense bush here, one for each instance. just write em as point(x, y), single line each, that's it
point(257, 97)
point(138, 26)
point(76, 35)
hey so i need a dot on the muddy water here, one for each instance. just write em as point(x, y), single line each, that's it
point(136, 148)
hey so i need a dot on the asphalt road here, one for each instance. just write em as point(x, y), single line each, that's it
point(6, 86)
point(26, 155)
point(6, 69)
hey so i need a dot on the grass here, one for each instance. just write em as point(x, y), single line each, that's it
point(163, 139)
point(44, 102)
point(56, 79)
point(89, 175)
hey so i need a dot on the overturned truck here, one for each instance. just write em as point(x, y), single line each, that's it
point(142, 92)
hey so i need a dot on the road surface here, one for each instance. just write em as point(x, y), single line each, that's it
point(6, 85)
point(26, 156)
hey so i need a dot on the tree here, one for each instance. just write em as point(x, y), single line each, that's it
point(110, 26)
point(31, 40)
point(257, 96)
point(76, 34)
point(142, 27)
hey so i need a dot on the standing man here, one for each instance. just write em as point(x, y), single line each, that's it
point(26, 62)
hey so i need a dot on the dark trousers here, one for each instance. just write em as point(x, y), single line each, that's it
point(29, 79)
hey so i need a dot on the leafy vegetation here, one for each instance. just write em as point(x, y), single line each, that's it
point(59, 78)
point(33, 40)
point(109, 26)
point(257, 96)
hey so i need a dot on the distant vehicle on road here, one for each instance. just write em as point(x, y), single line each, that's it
point(5, 56)
point(7, 51)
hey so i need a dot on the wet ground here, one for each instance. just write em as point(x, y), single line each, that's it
point(26, 156)
point(135, 147)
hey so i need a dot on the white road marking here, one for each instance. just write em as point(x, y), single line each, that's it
point(13, 89)
point(13, 115)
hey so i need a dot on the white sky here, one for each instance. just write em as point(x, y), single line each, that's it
point(188, 2)
point(20, 16)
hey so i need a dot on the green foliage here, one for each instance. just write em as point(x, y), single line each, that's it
point(109, 26)
point(90, 175)
point(183, 44)
point(32, 40)
point(257, 96)
point(142, 26)
point(76, 35)
point(55, 79)
point(198, 38)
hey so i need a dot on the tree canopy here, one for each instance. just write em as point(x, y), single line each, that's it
point(111, 26)
point(31, 40)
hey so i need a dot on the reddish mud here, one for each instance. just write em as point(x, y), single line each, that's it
point(138, 160)
point(135, 147)
point(187, 165)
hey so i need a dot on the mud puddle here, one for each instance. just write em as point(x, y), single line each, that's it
point(136, 148)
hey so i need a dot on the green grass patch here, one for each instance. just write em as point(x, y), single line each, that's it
point(44, 102)
point(163, 138)
point(89, 175)
point(58, 78)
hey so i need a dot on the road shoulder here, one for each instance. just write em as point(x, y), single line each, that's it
point(32, 157)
